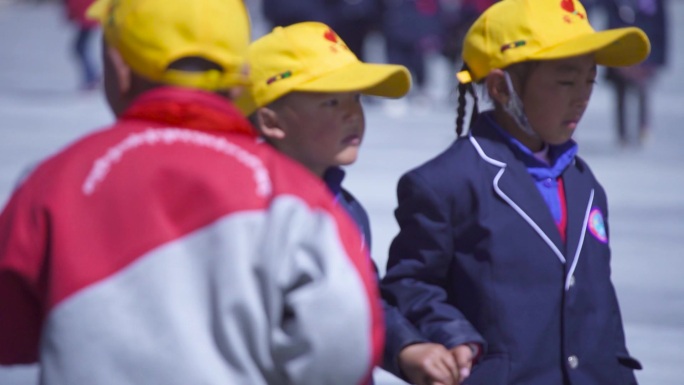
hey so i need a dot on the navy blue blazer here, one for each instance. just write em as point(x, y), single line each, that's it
point(399, 332)
point(479, 258)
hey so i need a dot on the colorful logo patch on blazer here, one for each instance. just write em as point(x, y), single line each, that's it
point(597, 226)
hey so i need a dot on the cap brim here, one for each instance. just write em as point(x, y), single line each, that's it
point(613, 48)
point(98, 10)
point(387, 80)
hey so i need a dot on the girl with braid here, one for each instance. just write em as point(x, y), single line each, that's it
point(503, 252)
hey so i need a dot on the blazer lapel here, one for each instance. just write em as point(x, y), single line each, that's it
point(578, 197)
point(515, 186)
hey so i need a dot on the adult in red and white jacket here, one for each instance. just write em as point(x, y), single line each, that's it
point(173, 248)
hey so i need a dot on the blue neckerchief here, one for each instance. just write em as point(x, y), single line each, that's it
point(545, 175)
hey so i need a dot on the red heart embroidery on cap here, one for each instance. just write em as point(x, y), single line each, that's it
point(568, 5)
point(330, 35)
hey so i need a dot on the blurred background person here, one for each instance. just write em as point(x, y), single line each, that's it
point(455, 17)
point(352, 20)
point(633, 84)
point(82, 43)
point(355, 20)
point(411, 30)
point(286, 12)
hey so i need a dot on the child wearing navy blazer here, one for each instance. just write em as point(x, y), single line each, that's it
point(504, 239)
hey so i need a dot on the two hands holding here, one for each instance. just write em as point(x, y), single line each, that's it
point(433, 364)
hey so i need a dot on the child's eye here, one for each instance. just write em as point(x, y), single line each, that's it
point(331, 103)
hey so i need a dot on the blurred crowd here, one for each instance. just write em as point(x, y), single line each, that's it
point(632, 85)
point(415, 30)
point(412, 29)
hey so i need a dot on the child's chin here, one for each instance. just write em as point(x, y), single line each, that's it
point(560, 139)
point(345, 161)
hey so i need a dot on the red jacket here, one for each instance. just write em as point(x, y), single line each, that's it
point(76, 12)
point(175, 248)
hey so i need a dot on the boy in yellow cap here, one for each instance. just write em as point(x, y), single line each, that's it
point(305, 101)
point(504, 235)
point(173, 247)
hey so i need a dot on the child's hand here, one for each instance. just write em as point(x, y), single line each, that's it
point(463, 355)
point(428, 364)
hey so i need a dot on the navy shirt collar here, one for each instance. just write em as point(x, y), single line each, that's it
point(333, 178)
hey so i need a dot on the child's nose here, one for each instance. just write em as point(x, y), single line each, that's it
point(354, 111)
point(354, 117)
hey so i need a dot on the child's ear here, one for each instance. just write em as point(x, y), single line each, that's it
point(120, 69)
point(497, 87)
point(235, 92)
point(268, 124)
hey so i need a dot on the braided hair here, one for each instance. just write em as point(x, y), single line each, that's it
point(464, 88)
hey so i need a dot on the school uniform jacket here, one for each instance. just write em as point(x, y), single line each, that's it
point(479, 258)
point(172, 248)
point(399, 332)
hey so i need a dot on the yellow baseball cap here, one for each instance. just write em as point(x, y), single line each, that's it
point(152, 34)
point(311, 57)
point(514, 31)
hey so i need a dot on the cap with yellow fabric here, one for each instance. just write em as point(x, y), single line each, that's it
point(152, 34)
point(311, 57)
point(514, 31)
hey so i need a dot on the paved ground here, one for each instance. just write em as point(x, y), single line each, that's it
point(40, 112)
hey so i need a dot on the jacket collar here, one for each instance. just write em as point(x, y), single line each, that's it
point(188, 108)
point(560, 156)
point(513, 184)
point(333, 178)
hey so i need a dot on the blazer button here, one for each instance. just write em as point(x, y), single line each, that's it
point(573, 362)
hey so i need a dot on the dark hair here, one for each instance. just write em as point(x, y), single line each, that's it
point(460, 109)
point(520, 70)
point(197, 64)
